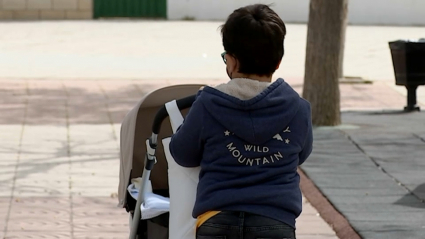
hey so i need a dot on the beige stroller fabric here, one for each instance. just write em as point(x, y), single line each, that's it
point(136, 128)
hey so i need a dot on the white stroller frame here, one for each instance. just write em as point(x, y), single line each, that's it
point(163, 95)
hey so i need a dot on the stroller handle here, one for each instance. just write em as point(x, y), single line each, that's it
point(162, 113)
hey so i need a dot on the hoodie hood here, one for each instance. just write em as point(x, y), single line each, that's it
point(255, 114)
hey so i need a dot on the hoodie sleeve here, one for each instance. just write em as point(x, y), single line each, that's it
point(308, 144)
point(186, 144)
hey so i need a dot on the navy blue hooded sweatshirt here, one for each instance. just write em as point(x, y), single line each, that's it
point(248, 150)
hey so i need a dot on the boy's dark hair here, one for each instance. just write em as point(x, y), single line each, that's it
point(254, 35)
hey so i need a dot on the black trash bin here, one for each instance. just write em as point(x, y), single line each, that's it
point(409, 67)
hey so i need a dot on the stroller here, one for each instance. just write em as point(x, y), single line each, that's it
point(143, 155)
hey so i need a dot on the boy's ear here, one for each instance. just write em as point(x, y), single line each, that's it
point(233, 63)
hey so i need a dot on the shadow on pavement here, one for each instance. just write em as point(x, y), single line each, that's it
point(419, 192)
point(77, 103)
point(384, 112)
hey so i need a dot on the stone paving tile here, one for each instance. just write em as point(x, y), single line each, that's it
point(44, 202)
point(4, 209)
point(38, 235)
point(46, 183)
point(32, 156)
point(94, 150)
point(104, 225)
point(117, 130)
point(308, 225)
point(143, 88)
point(100, 235)
point(31, 190)
point(370, 96)
point(90, 217)
point(76, 88)
point(82, 139)
point(38, 223)
point(48, 140)
point(98, 214)
point(403, 227)
point(10, 139)
point(12, 96)
point(46, 103)
point(118, 110)
point(39, 214)
point(394, 232)
point(92, 112)
point(86, 103)
point(92, 192)
point(7, 169)
point(123, 90)
point(12, 112)
point(315, 227)
point(46, 113)
point(6, 189)
point(7, 166)
point(33, 163)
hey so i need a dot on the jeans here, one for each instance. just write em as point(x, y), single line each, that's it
point(242, 225)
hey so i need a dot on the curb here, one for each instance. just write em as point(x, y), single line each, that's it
point(333, 217)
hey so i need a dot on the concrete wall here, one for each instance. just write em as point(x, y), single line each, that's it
point(364, 12)
point(387, 12)
point(296, 10)
point(45, 9)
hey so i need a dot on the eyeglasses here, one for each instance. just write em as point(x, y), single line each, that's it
point(224, 59)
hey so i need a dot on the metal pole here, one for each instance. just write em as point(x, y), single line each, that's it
point(150, 161)
point(136, 214)
point(411, 98)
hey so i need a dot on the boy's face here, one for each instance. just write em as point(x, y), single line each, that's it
point(231, 65)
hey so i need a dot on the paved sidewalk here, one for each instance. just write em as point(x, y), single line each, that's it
point(371, 168)
point(59, 159)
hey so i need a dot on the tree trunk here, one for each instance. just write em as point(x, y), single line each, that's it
point(325, 41)
point(341, 51)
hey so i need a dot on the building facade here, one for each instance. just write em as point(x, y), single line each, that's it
point(364, 12)
point(45, 9)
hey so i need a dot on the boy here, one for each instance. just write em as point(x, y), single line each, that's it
point(248, 135)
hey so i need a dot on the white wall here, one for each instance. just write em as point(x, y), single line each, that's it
point(290, 10)
point(364, 12)
point(387, 12)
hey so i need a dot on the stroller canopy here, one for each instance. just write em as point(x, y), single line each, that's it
point(136, 128)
